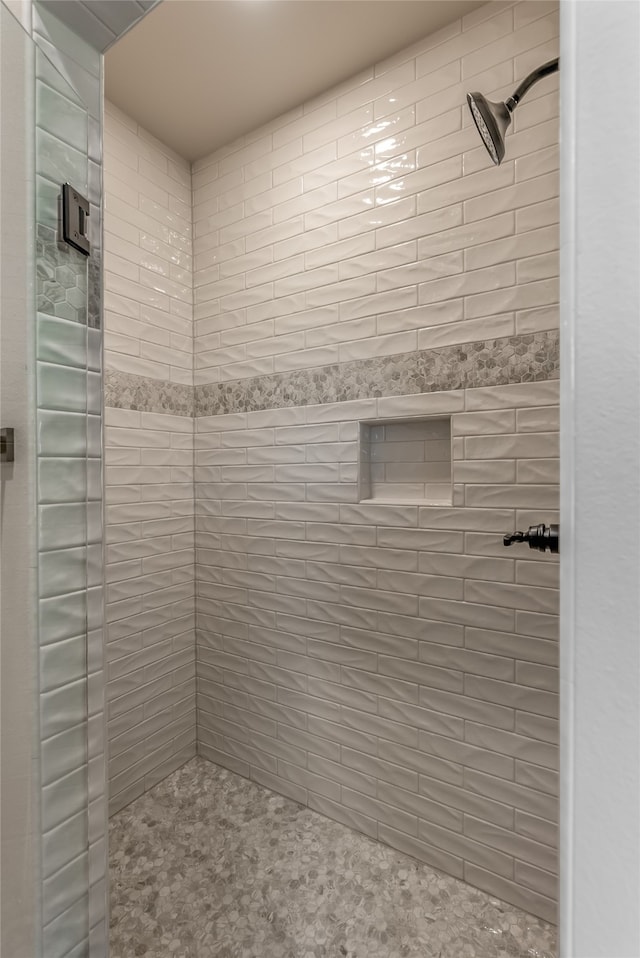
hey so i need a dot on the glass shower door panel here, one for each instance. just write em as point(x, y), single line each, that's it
point(67, 477)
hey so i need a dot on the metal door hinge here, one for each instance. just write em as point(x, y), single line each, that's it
point(75, 210)
point(6, 444)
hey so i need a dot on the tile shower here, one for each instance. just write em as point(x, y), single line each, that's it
point(330, 386)
point(354, 266)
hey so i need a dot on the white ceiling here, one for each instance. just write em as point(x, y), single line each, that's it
point(197, 74)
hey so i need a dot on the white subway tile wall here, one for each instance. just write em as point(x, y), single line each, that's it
point(391, 665)
point(150, 647)
point(148, 256)
point(374, 222)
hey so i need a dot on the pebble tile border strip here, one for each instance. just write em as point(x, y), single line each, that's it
point(495, 362)
point(129, 391)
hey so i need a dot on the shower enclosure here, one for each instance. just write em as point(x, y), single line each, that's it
point(53, 820)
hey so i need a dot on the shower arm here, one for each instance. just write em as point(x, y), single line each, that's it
point(552, 66)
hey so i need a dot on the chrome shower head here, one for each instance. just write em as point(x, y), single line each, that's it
point(493, 119)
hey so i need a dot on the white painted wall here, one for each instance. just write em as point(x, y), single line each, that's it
point(18, 688)
point(600, 856)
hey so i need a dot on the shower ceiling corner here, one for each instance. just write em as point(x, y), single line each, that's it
point(99, 22)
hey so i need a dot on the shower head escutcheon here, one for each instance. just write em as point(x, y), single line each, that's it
point(493, 119)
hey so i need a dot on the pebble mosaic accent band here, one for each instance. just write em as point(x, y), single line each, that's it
point(129, 391)
point(493, 362)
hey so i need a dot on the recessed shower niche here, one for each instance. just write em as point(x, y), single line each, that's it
point(406, 460)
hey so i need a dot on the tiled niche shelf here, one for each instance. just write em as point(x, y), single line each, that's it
point(406, 460)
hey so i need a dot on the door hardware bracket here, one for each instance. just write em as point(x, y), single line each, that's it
point(7, 444)
point(75, 211)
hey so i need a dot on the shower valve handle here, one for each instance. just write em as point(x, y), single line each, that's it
point(541, 537)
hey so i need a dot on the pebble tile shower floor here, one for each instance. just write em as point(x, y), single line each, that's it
point(210, 865)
